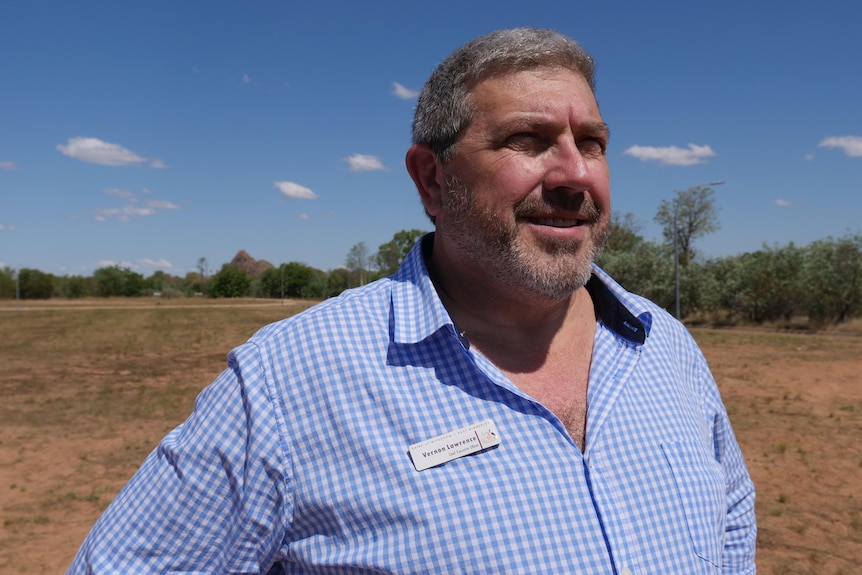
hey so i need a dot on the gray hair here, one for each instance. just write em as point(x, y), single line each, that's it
point(445, 107)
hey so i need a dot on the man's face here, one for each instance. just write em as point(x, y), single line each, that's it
point(526, 197)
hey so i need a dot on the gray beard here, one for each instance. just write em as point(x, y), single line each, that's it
point(554, 274)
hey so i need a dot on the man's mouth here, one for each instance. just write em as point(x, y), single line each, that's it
point(557, 222)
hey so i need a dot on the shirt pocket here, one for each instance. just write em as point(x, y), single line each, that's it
point(701, 490)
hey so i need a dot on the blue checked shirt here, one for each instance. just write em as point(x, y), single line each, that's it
point(296, 459)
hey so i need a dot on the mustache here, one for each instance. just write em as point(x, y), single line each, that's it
point(580, 203)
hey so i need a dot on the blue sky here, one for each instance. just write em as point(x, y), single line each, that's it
point(151, 134)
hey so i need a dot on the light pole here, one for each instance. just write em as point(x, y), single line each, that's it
point(676, 244)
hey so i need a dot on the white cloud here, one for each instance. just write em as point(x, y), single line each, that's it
point(132, 209)
point(672, 155)
point(783, 203)
point(809, 157)
point(8, 166)
point(4, 228)
point(246, 79)
point(363, 163)
point(303, 217)
point(151, 264)
point(162, 205)
point(123, 214)
point(104, 214)
point(293, 191)
point(144, 265)
point(126, 194)
point(852, 145)
point(111, 263)
point(139, 211)
point(95, 151)
point(403, 92)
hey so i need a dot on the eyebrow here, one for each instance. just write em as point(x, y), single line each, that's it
point(601, 128)
point(529, 122)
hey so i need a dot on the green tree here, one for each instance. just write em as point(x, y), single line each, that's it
point(623, 233)
point(337, 281)
point(230, 281)
point(392, 253)
point(134, 283)
point(832, 276)
point(298, 279)
point(690, 215)
point(270, 282)
point(7, 283)
point(157, 282)
point(319, 285)
point(645, 270)
point(74, 287)
point(191, 284)
point(722, 284)
point(34, 284)
point(164, 284)
point(118, 281)
point(293, 280)
point(769, 289)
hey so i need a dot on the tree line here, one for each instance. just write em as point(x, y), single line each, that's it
point(820, 282)
point(288, 280)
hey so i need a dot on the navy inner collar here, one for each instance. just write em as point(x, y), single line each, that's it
point(613, 313)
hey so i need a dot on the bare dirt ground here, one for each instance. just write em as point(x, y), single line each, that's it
point(796, 405)
point(88, 390)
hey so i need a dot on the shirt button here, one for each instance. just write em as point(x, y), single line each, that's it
point(626, 571)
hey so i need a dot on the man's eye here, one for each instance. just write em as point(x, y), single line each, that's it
point(592, 146)
point(525, 141)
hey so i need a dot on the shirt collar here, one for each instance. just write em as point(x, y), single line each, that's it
point(418, 312)
point(416, 307)
point(616, 308)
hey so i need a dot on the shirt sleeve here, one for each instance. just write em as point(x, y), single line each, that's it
point(740, 524)
point(212, 497)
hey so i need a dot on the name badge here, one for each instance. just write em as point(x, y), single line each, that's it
point(444, 448)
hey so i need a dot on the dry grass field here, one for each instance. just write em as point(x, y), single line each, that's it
point(90, 387)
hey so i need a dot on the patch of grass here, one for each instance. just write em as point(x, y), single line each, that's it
point(63, 499)
point(18, 521)
point(14, 521)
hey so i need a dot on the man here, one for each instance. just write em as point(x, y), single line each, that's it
point(499, 405)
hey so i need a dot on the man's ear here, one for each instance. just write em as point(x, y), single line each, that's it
point(423, 168)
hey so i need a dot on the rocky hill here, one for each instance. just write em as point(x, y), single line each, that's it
point(249, 265)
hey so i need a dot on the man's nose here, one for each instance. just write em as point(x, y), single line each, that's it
point(567, 168)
